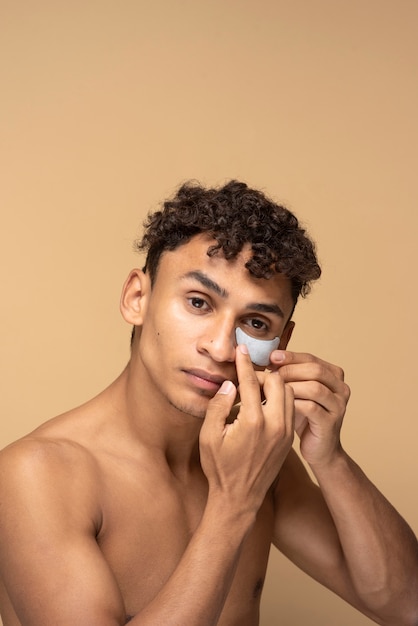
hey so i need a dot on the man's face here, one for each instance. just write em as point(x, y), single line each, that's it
point(187, 343)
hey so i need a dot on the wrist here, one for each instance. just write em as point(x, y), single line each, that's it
point(228, 516)
point(332, 464)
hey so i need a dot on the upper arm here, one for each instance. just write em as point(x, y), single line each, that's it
point(52, 568)
point(304, 530)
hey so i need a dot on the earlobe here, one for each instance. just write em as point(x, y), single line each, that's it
point(286, 335)
point(134, 297)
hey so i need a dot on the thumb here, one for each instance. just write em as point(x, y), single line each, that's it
point(219, 408)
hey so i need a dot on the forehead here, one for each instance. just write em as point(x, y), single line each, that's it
point(231, 275)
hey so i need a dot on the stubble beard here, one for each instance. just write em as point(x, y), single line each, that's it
point(189, 409)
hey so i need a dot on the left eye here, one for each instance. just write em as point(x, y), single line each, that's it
point(257, 324)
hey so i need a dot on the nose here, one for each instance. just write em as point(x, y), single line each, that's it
point(219, 342)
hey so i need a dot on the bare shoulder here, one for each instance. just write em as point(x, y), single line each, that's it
point(44, 451)
point(43, 471)
point(65, 447)
point(51, 514)
point(40, 447)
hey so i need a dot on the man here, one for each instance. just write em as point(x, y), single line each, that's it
point(157, 501)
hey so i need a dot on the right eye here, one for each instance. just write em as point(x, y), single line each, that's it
point(198, 303)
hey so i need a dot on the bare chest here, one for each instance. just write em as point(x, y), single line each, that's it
point(147, 525)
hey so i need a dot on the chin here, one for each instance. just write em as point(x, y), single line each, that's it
point(191, 410)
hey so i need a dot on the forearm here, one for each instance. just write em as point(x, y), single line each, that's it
point(196, 591)
point(380, 550)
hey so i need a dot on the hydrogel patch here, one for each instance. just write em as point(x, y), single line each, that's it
point(258, 349)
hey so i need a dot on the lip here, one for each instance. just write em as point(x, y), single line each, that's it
point(205, 380)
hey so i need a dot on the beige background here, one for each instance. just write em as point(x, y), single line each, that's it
point(106, 106)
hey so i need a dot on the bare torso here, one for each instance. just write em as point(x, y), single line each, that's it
point(144, 515)
point(147, 525)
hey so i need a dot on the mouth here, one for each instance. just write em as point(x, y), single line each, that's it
point(204, 381)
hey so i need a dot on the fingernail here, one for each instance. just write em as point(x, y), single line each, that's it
point(278, 356)
point(226, 387)
point(243, 348)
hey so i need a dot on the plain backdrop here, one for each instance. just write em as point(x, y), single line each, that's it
point(107, 106)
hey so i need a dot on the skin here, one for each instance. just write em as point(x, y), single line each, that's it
point(159, 499)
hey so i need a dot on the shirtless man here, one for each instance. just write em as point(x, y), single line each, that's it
point(157, 501)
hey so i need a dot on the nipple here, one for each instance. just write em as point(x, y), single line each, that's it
point(258, 349)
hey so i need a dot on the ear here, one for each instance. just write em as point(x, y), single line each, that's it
point(286, 334)
point(134, 298)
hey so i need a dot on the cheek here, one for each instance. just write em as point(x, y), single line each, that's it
point(169, 330)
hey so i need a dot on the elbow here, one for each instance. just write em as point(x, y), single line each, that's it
point(391, 601)
point(408, 610)
point(396, 614)
point(412, 618)
point(406, 620)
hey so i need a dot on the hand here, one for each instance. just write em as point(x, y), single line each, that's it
point(242, 459)
point(321, 397)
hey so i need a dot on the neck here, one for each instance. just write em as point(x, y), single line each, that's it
point(152, 422)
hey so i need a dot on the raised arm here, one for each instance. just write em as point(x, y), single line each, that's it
point(345, 534)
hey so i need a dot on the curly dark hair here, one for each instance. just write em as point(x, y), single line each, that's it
point(234, 215)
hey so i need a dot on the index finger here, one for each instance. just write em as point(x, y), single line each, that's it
point(249, 386)
point(280, 358)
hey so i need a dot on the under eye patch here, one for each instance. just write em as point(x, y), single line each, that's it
point(258, 349)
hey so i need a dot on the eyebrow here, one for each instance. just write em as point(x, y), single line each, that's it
point(260, 307)
point(207, 282)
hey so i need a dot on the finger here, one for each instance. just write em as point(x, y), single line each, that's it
point(316, 401)
point(274, 393)
point(315, 392)
point(249, 386)
point(281, 358)
point(312, 415)
point(219, 409)
point(290, 406)
point(315, 370)
point(279, 405)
